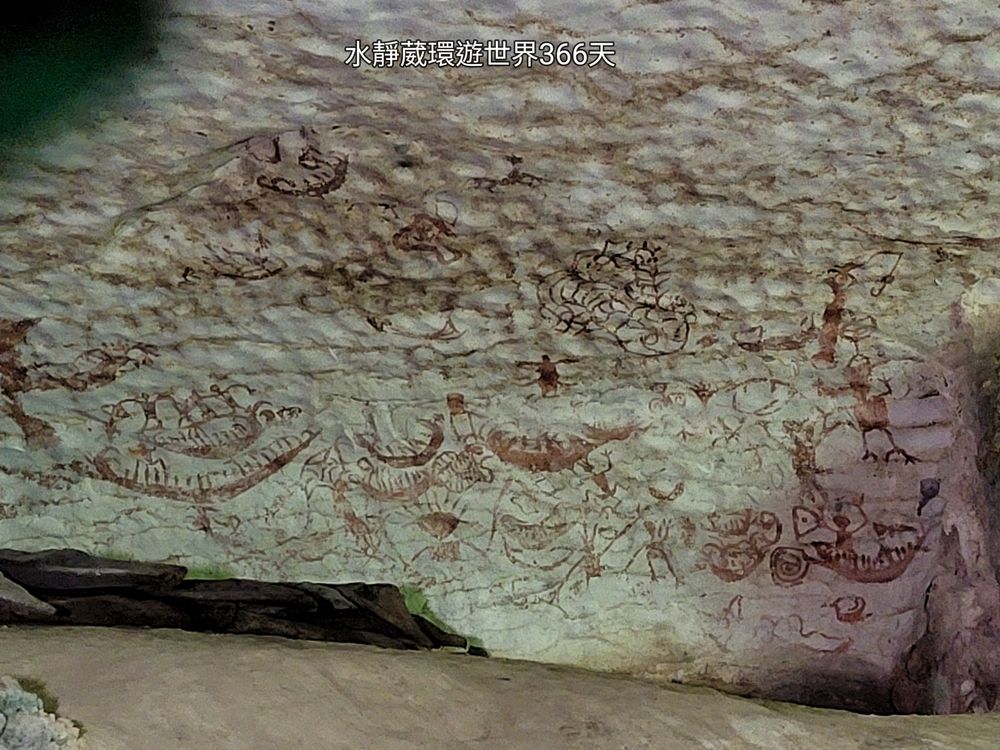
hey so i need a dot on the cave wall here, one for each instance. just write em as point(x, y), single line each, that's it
point(679, 367)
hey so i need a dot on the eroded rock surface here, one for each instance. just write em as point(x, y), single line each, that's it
point(674, 367)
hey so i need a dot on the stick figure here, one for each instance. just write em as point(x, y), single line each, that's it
point(548, 375)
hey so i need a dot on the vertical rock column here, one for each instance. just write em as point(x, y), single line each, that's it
point(954, 667)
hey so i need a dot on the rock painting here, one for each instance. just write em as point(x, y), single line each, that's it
point(202, 448)
point(243, 265)
point(623, 293)
point(701, 369)
point(843, 540)
point(91, 369)
point(292, 164)
point(740, 542)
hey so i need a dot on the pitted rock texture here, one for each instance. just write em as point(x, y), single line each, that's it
point(25, 725)
point(667, 368)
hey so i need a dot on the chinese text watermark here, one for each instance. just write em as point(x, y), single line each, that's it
point(474, 53)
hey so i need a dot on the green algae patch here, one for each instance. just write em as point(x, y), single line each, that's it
point(418, 606)
point(209, 573)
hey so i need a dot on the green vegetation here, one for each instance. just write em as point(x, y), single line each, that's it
point(418, 606)
point(416, 603)
point(209, 573)
point(33, 685)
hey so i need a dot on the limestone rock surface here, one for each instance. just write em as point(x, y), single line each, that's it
point(25, 725)
point(680, 367)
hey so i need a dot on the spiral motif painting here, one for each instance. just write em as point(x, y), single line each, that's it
point(789, 566)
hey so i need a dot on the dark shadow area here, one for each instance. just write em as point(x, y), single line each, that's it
point(986, 374)
point(60, 58)
point(833, 682)
point(841, 691)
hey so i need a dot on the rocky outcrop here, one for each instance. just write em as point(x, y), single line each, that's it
point(26, 725)
point(68, 587)
point(953, 665)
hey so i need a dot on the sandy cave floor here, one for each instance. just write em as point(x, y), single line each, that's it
point(171, 690)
